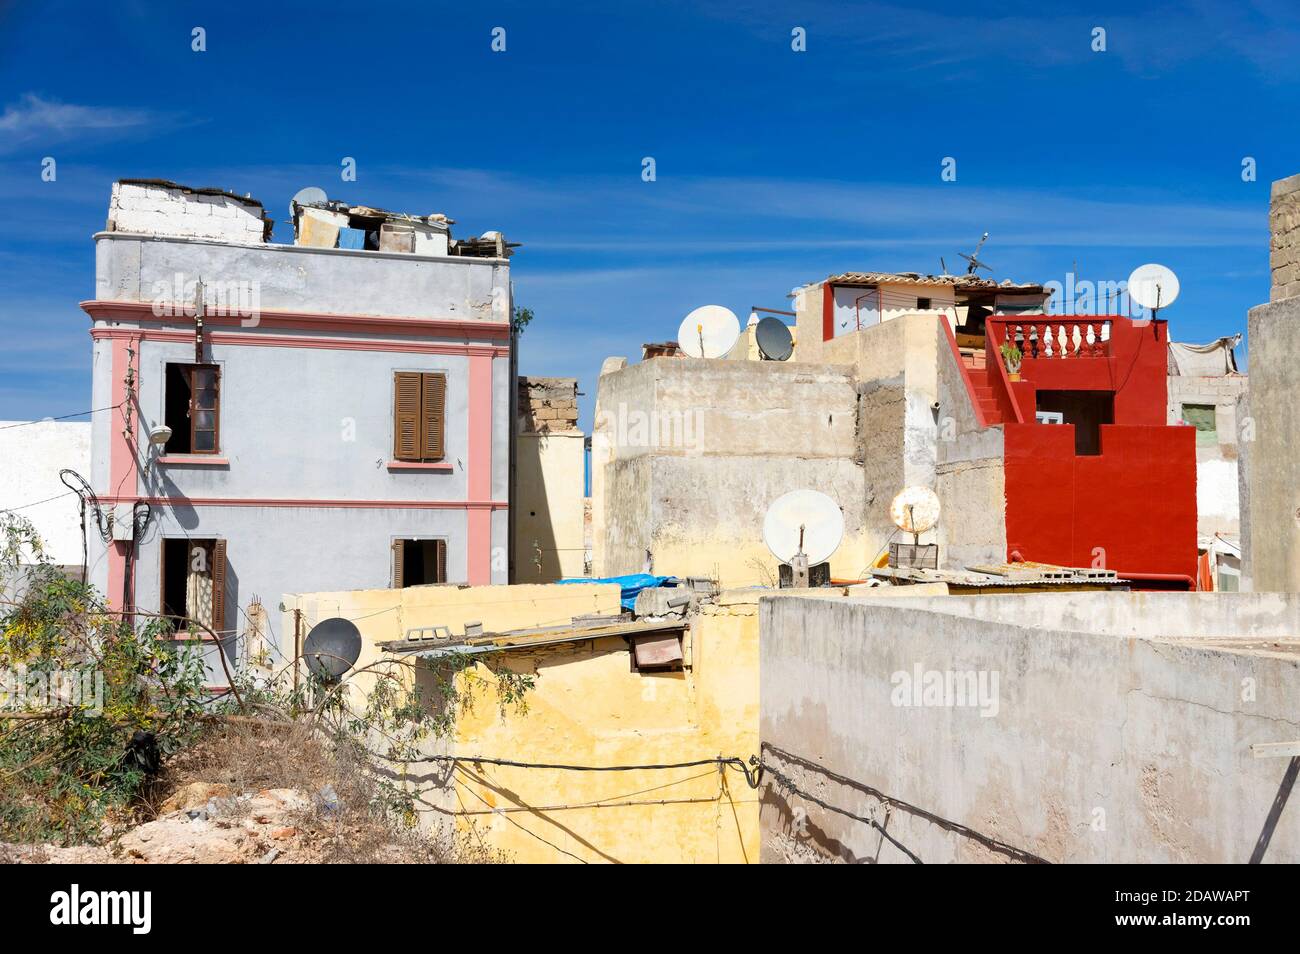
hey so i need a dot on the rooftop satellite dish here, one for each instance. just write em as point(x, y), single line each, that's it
point(308, 196)
point(708, 332)
point(915, 509)
point(332, 648)
point(773, 338)
point(1153, 286)
point(803, 520)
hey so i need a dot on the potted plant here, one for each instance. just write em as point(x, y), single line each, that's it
point(1012, 356)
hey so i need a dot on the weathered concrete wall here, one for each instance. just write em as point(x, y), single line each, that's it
point(1243, 488)
point(896, 365)
point(970, 475)
point(1112, 727)
point(303, 279)
point(1274, 497)
point(31, 457)
point(1284, 250)
point(688, 454)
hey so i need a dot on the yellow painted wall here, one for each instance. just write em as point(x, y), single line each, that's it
point(588, 707)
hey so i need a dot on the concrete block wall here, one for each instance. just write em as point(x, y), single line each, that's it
point(548, 404)
point(161, 210)
point(1284, 249)
point(1222, 392)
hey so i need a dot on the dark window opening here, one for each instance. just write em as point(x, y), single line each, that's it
point(192, 582)
point(191, 408)
point(1086, 410)
point(419, 562)
point(923, 304)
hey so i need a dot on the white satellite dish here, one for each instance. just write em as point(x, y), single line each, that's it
point(915, 509)
point(1153, 286)
point(308, 196)
point(807, 513)
point(708, 332)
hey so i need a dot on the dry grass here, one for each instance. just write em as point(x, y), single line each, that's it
point(253, 757)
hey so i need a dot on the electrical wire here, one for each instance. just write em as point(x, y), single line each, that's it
point(36, 503)
point(752, 778)
point(62, 417)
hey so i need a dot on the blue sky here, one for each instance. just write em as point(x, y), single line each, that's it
point(774, 167)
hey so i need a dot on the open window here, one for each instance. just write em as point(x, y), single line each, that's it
point(193, 582)
point(419, 415)
point(419, 562)
point(192, 408)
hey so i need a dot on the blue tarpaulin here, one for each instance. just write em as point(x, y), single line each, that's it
point(631, 585)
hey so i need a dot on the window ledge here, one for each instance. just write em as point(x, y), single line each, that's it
point(208, 460)
point(439, 466)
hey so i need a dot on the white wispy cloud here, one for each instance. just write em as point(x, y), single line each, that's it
point(35, 119)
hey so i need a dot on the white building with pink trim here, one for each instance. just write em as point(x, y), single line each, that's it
point(331, 418)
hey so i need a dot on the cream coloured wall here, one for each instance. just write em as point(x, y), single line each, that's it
point(548, 506)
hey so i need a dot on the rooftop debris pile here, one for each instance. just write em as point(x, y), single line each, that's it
point(163, 207)
point(320, 222)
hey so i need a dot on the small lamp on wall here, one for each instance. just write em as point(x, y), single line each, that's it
point(160, 435)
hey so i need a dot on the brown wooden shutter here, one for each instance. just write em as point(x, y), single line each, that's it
point(399, 561)
point(406, 415)
point(432, 415)
point(219, 589)
point(440, 561)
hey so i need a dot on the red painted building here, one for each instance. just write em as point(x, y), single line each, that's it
point(1094, 474)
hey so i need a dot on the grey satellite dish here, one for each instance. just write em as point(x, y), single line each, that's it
point(773, 337)
point(308, 196)
point(332, 648)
